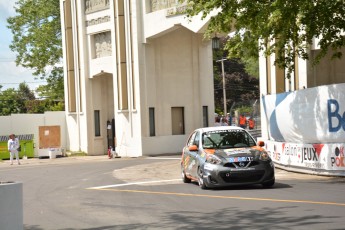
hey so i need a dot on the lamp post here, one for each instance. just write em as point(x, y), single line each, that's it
point(224, 88)
point(215, 46)
point(215, 43)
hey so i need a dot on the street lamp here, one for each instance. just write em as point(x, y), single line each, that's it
point(224, 89)
point(215, 43)
point(215, 46)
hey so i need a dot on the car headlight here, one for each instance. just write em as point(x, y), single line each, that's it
point(264, 156)
point(212, 159)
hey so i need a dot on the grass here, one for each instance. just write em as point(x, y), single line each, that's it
point(76, 154)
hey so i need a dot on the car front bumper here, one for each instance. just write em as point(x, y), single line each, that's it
point(220, 176)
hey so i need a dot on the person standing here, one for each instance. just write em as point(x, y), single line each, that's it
point(224, 122)
point(251, 123)
point(229, 118)
point(217, 122)
point(13, 145)
point(243, 121)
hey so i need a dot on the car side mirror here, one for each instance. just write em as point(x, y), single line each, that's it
point(261, 143)
point(193, 148)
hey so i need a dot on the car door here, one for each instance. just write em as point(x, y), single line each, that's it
point(195, 155)
point(188, 156)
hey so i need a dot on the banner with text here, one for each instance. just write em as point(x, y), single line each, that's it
point(309, 156)
point(314, 115)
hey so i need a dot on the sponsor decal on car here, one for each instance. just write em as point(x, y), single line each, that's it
point(208, 167)
point(236, 151)
point(240, 159)
point(191, 165)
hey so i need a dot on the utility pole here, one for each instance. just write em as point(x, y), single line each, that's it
point(224, 88)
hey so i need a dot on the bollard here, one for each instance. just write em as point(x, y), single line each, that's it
point(11, 205)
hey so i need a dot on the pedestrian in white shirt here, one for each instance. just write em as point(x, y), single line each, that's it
point(13, 145)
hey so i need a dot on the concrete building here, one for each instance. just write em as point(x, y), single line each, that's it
point(138, 76)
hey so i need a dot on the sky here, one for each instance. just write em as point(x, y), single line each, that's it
point(10, 74)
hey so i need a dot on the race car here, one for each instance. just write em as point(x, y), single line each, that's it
point(225, 156)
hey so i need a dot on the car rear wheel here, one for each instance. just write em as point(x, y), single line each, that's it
point(268, 184)
point(201, 179)
point(185, 179)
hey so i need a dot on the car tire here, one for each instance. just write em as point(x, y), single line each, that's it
point(268, 184)
point(201, 179)
point(185, 179)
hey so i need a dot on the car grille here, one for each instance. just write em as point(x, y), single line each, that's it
point(239, 165)
point(242, 176)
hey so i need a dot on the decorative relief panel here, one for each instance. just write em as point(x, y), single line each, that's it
point(163, 4)
point(96, 5)
point(97, 21)
point(102, 44)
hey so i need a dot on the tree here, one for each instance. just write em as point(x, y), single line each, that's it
point(54, 87)
point(13, 101)
point(283, 27)
point(37, 35)
point(242, 86)
point(37, 41)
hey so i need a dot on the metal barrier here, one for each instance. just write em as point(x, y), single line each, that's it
point(255, 132)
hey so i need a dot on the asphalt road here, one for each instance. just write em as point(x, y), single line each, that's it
point(147, 193)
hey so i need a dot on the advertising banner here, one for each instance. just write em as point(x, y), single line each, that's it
point(314, 115)
point(328, 157)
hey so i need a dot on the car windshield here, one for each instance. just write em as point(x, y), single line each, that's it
point(224, 139)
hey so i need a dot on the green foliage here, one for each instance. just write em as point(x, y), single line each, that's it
point(35, 106)
point(8, 102)
point(283, 27)
point(247, 110)
point(36, 32)
point(76, 154)
point(13, 101)
point(53, 91)
point(40, 106)
point(23, 101)
point(251, 66)
point(242, 86)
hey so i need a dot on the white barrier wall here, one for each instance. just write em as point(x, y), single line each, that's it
point(29, 123)
point(306, 129)
point(314, 115)
point(322, 158)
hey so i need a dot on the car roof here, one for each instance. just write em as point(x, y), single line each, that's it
point(215, 128)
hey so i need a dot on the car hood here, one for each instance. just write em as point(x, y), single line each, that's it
point(253, 152)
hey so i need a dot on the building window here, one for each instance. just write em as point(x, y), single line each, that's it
point(177, 120)
point(97, 123)
point(205, 116)
point(152, 122)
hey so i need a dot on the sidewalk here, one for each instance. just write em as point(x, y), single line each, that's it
point(72, 159)
point(58, 160)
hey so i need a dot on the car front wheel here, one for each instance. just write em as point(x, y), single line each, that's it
point(185, 179)
point(268, 184)
point(201, 179)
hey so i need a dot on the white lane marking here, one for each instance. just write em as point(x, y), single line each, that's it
point(134, 183)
